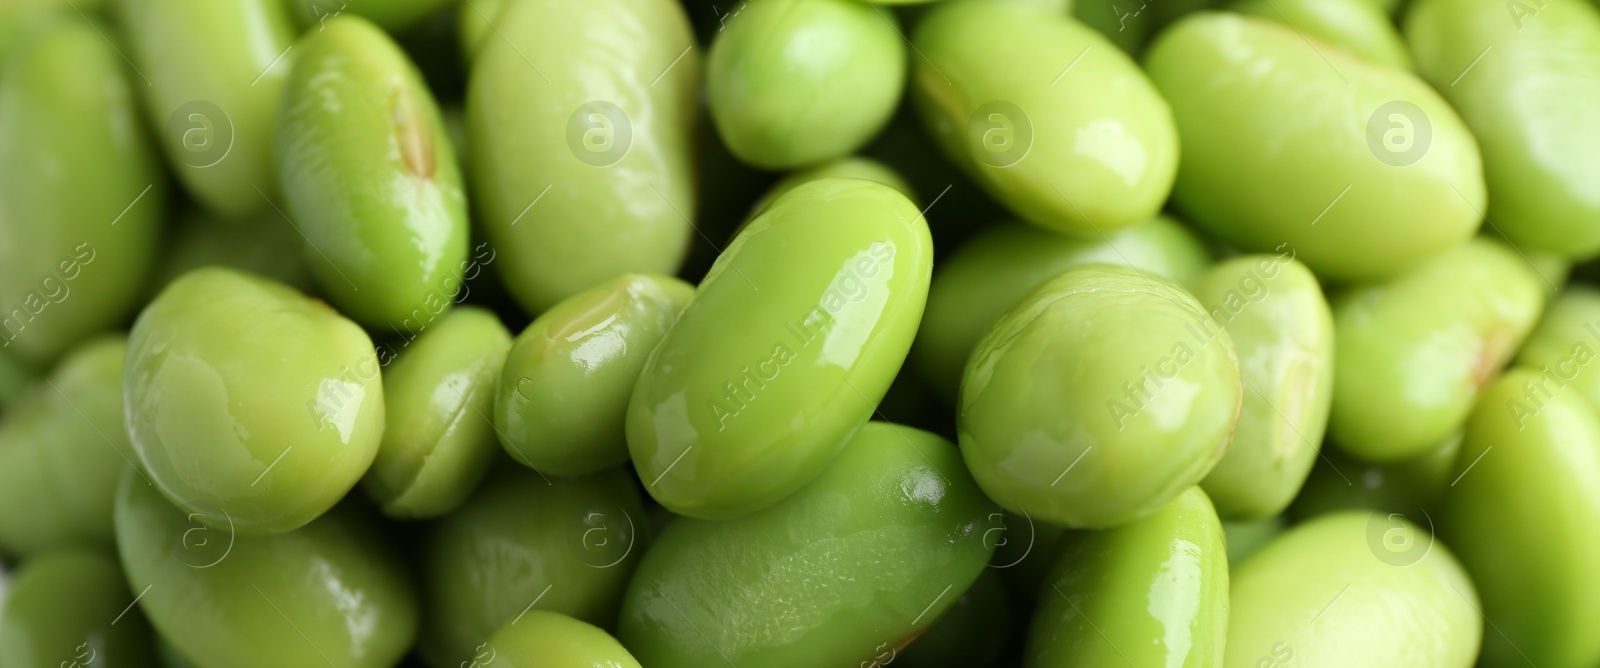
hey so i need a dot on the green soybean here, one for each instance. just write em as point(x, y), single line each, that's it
point(1151, 592)
point(844, 168)
point(475, 22)
point(1414, 350)
point(781, 100)
point(392, 15)
point(1282, 329)
point(264, 244)
point(790, 342)
point(261, 428)
point(803, 582)
point(438, 395)
point(521, 543)
point(1301, 600)
point(1564, 343)
point(1525, 76)
point(581, 164)
point(1098, 399)
point(1047, 115)
point(549, 640)
point(216, 70)
point(1360, 27)
point(973, 632)
point(1378, 176)
point(993, 271)
point(562, 397)
point(331, 591)
point(369, 176)
point(81, 197)
point(72, 607)
point(1522, 515)
point(62, 450)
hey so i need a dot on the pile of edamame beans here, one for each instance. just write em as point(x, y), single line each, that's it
point(799, 333)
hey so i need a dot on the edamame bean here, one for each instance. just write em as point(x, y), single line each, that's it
point(973, 632)
point(1414, 350)
point(790, 342)
point(1282, 329)
point(72, 607)
point(1098, 399)
point(369, 176)
point(1360, 27)
point(62, 451)
point(265, 245)
point(562, 397)
point(392, 15)
point(476, 20)
point(438, 395)
point(1523, 520)
point(792, 83)
point(1330, 593)
point(1151, 592)
point(844, 168)
point(1045, 114)
point(1376, 175)
point(804, 582)
point(524, 543)
point(580, 118)
point(1564, 343)
point(216, 70)
point(331, 591)
point(549, 640)
point(1525, 79)
point(999, 266)
point(81, 198)
point(260, 427)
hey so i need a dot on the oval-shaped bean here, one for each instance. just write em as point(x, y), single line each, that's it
point(803, 582)
point(81, 195)
point(1098, 399)
point(261, 427)
point(790, 342)
point(1525, 76)
point(580, 146)
point(562, 397)
point(1304, 598)
point(1522, 515)
point(265, 245)
point(438, 395)
point(1046, 114)
point(1565, 342)
point(973, 632)
point(1360, 27)
point(72, 607)
point(1282, 329)
point(1151, 592)
point(62, 450)
point(369, 176)
point(1411, 487)
point(392, 15)
point(988, 275)
point(1361, 168)
point(565, 545)
point(332, 591)
point(1414, 350)
point(781, 100)
point(853, 167)
point(543, 639)
point(216, 70)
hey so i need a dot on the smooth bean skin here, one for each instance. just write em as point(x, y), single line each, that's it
point(803, 583)
point(1283, 143)
point(1153, 592)
point(973, 632)
point(1084, 151)
point(999, 266)
point(66, 271)
point(1415, 350)
point(62, 450)
point(369, 176)
point(262, 427)
point(1282, 329)
point(1407, 608)
point(1412, 488)
point(549, 640)
point(1564, 342)
point(1360, 27)
point(332, 591)
point(850, 167)
point(792, 83)
point(475, 21)
point(600, 136)
point(438, 438)
point(1523, 520)
point(736, 408)
point(1530, 104)
point(562, 395)
point(264, 244)
point(60, 612)
point(391, 15)
point(216, 77)
point(569, 543)
point(1098, 399)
